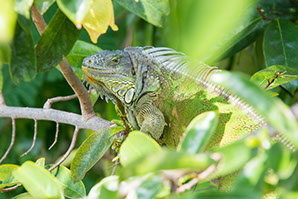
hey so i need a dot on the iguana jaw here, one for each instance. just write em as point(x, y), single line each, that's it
point(112, 79)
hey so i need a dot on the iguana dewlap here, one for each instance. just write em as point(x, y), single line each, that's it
point(161, 91)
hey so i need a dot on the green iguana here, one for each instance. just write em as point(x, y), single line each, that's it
point(162, 90)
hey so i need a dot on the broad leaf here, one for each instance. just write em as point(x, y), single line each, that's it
point(22, 64)
point(280, 47)
point(109, 184)
point(70, 189)
point(92, 149)
point(39, 182)
point(167, 160)
point(150, 10)
point(23, 196)
point(198, 133)
point(8, 20)
point(272, 109)
point(260, 77)
point(41, 162)
point(6, 175)
point(43, 5)
point(136, 145)
point(99, 17)
point(57, 40)
point(23, 7)
point(75, 10)
point(150, 187)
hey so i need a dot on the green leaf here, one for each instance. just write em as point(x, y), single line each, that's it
point(57, 40)
point(245, 36)
point(272, 109)
point(39, 182)
point(150, 187)
point(109, 184)
point(217, 195)
point(1, 77)
point(75, 10)
point(8, 20)
point(22, 64)
point(230, 160)
point(251, 176)
point(260, 77)
point(92, 149)
point(40, 162)
point(6, 175)
point(281, 44)
point(23, 196)
point(80, 50)
point(136, 145)
point(150, 10)
point(23, 7)
point(166, 160)
point(43, 5)
point(70, 189)
point(198, 133)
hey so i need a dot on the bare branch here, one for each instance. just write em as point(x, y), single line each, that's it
point(68, 73)
point(73, 119)
point(56, 136)
point(51, 101)
point(13, 134)
point(72, 144)
point(34, 140)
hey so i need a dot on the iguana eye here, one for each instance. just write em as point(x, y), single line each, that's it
point(115, 60)
point(132, 70)
point(89, 61)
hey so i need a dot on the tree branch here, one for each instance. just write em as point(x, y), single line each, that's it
point(94, 123)
point(70, 76)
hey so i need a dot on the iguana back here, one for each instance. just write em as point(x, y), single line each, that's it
point(162, 90)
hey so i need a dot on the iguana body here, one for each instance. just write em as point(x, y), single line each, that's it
point(162, 91)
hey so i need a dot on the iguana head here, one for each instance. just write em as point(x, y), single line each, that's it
point(112, 74)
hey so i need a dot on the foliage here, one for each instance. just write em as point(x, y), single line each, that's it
point(258, 38)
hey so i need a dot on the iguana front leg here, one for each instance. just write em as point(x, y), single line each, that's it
point(150, 118)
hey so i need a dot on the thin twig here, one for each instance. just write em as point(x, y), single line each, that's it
point(34, 140)
point(56, 136)
point(51, 101)
point(13, 134)
point(114, 168)
point(11, 188)
point(272, 80)
point(259, 9)
point(72, 145)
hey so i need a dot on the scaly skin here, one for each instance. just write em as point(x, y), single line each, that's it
point(161, 100)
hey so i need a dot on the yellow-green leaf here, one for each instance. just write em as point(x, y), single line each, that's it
point(99, 18)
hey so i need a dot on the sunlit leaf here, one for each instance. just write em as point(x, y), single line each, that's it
point(40, 162)
point(150, 187)
point(39, 182)
point(23, 7)
point(57, 40)
point(110, 183)
point(43, 5)
point(70, 189)
point(150, 10)
point(75, 10)
point(6, 175)
point(92, 149)
point(99, 17)
point(260, 77)
point(199, 132)
point(167, 160)
point(272, 109)
point(22, 64)
point(23, 196)
point(7, 26)
point(136, 145)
